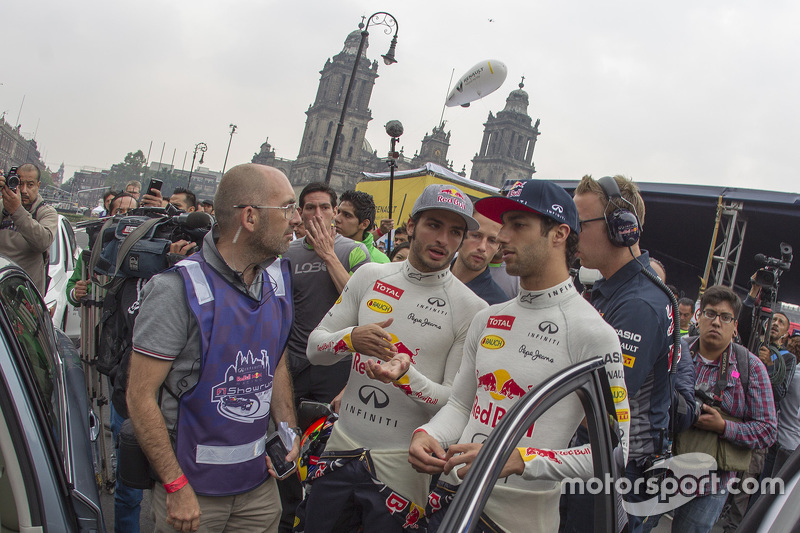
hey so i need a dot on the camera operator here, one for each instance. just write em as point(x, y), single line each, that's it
point(217, 367)
point(736, 411)
point(29, 225)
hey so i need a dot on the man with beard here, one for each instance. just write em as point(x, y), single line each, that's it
point(471, 265)
point(217, 364)
point(405, 325)
point(512, 348)
point(29, 225)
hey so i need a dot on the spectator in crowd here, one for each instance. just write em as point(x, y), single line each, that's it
point(686, 313)
point(355, 218)
point(508, 283)
point(612, 214)
point(400, 252)
point(659, 269)
point(218, 367)
point(133, 188)
point(107, 197)
point(400, 235)
point(207, 206)
point(299, 229)
point(502, 360)
point(28, 226)
point(183, 200)
point(471, 265)
point(322, 263)
point(404, 325)
point(745, 418)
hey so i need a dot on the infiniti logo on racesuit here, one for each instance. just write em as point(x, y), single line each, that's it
point(548, 327)
point(369, 394)
point(438, 302)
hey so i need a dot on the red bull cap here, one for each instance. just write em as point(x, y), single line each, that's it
point(542, 197)
point(448, 198)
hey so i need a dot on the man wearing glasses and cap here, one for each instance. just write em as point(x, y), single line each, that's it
point(404, 325)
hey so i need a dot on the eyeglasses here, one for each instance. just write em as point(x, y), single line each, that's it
point(725, 318)
point(288, 210)
point(582, 222)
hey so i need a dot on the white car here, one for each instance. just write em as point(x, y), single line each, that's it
point(64, 253)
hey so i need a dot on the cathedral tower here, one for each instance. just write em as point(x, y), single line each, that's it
point(508, 141)
point(323, 117)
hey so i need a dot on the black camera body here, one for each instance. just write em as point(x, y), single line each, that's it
point(703, 395)
point(768, 275)
point(12, 179)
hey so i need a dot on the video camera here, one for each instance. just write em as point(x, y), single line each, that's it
point(773, 268)
point(149, 252)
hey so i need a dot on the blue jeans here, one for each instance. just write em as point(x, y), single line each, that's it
point(127, 500)
point(699, 514)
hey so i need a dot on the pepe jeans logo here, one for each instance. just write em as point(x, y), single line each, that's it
point(379, 306)
point(438, 302)
point(548, 327)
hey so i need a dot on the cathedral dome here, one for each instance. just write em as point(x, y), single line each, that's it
point(517, 101)
point(352, 42)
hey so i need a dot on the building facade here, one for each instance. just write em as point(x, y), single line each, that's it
point(508, 141)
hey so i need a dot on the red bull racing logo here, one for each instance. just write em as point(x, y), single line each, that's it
point(453, 197)
point(500, 386)
point(529, 454)
point(516, 190)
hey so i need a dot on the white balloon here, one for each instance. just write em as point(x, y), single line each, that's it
point(482, 79)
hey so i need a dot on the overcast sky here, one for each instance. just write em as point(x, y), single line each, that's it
point(681, 92)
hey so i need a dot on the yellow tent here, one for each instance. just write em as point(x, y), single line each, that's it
point(409, 184)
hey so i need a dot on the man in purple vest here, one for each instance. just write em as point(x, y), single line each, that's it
point(207, 368)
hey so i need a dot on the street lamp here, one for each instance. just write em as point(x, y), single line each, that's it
point(380, 18)
point(394, 128)
point(201, 147)
point(233, 130)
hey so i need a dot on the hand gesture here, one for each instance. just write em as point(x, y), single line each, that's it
point(426, 455)
point(390, 371)
point(466, 453)
point(321, 237)
point(374, 340)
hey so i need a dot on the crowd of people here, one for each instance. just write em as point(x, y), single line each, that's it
point(421, 337)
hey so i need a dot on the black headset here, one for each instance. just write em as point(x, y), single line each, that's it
point(622, 224)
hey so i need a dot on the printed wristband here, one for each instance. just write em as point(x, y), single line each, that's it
point(176, 485)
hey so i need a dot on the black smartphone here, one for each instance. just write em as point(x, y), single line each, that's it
point(277, 454)
point(154, 184)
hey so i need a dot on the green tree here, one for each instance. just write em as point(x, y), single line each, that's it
point(132, 168)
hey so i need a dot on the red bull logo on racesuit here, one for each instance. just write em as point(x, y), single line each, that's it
point(500, 386)
point(529, 454)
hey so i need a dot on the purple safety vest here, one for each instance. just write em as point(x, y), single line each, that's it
point(222, 421)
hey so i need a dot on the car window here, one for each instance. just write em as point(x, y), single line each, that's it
point(30, 322)
point(70, 234)
point(55, 257)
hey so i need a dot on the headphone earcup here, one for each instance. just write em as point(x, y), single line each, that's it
point(623, 228)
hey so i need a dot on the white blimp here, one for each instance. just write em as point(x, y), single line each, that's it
point(482, 79)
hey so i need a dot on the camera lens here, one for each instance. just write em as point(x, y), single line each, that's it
point(12, 182)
